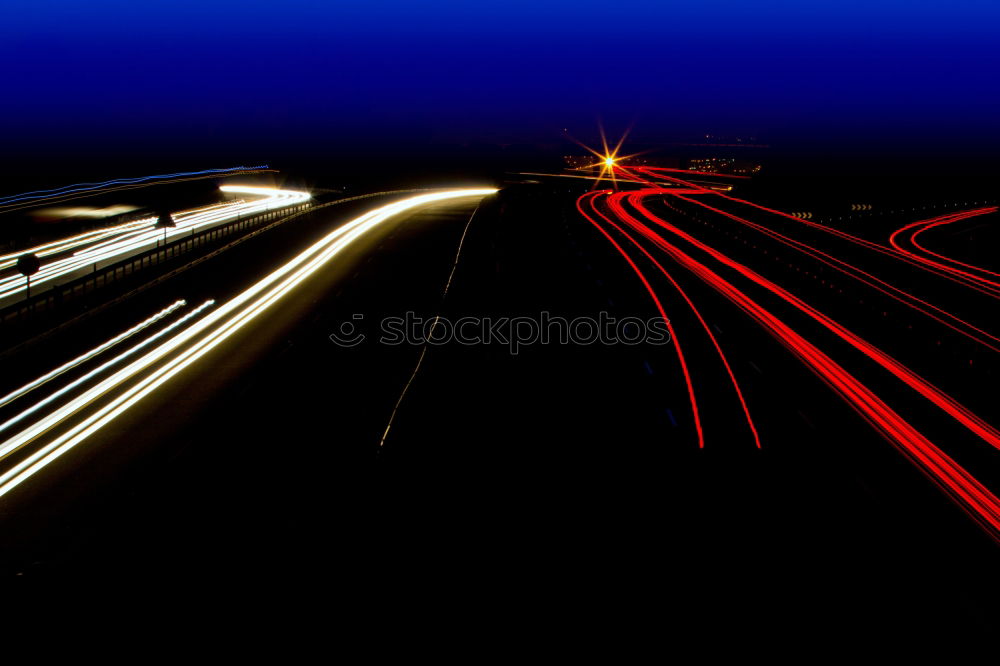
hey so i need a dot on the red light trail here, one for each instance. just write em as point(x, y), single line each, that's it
point(973, 274)
point(697, 313)
point(888, 251)
point(630, 233)
point(920, 305)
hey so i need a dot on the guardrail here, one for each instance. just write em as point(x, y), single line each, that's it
point(99, 277)
point(278, 217)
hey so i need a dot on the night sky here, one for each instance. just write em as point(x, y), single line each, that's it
point(259, 78)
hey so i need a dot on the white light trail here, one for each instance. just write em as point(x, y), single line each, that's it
point(66, 244)
point(195, 341)
point(104, 246)
point(5, 450)
point(86, 356)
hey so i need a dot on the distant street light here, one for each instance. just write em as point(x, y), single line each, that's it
point(28, 265)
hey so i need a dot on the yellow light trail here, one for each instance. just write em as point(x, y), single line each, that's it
point(69, 365)
point(195, 341)
point(5, 450)
point(102, 247)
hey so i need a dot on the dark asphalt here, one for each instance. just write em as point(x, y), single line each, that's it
point(561, 482)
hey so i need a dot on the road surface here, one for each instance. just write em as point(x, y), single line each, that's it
point(67, 258)
point(147, 377)
point(772, 483)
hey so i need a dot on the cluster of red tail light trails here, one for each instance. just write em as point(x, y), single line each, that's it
point(905, 241)
point(647, 239)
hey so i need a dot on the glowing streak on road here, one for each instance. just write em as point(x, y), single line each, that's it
point(122, 241)
point(197, 340)
point(888, 251)
point(85, 244)
point(971, 495)
point(940, 315)
point(687, 299)
point(945, 402)
point(4, 451)
point(688, 172)
point(673, 335)
point(69, 365)
point(67, 244)
point(972, 273)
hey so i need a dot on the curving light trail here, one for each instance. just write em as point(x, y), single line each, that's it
point(670, 327)
point(636, 231)
point(960, 413)
point(7, 447)
point(961, 270)
point(61, 429)
point(42, 195)
point(920, 305)
point(701, 320)
point(884, 250)
point(72, 257)
point(86, 356)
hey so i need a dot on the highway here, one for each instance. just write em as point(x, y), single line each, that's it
point(656, 236)
point(45, 419)
point(815, 431)
point(71, 257)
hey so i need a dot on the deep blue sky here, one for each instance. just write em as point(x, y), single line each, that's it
point(146, 75)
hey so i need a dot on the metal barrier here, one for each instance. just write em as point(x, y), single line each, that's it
point(279, 217)
point(101, 277)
